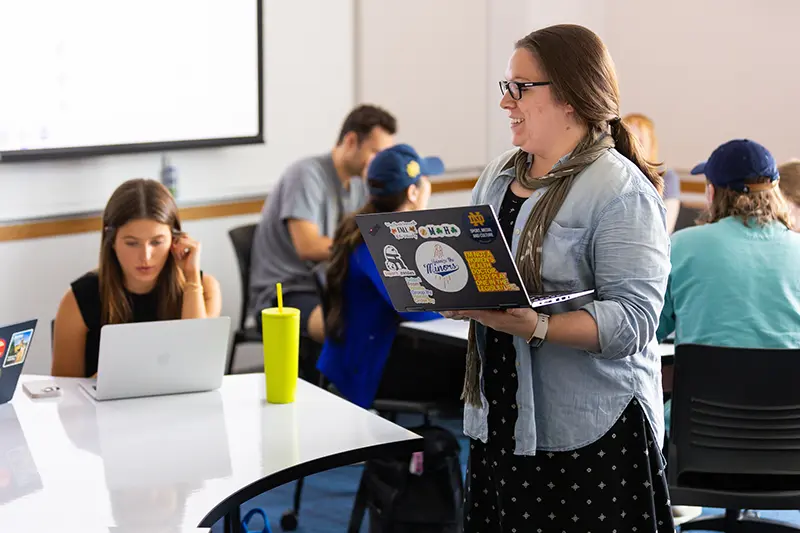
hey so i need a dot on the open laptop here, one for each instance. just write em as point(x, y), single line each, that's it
point(15, 343)
point(449, 259)
point(157, 358)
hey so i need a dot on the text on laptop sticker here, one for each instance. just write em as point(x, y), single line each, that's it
point(487, 277)
point(403, 230)
point(441, 266)
point(419, 293)
point(18, 347)
point(395, 266)
point(439, 230)
point(481, 229)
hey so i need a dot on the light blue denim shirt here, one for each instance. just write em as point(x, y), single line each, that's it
point(610, 235)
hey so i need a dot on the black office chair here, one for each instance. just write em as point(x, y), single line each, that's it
point(687, 217)
point(242, 240)
point(735, 435)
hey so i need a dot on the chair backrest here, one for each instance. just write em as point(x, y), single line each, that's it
point(686, 217)
point(734, 411)
point(242, 239)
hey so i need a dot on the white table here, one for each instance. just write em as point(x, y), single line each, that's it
point(172, 463)
point(455, 332)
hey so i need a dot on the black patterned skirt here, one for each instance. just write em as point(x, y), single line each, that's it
point(617, 484)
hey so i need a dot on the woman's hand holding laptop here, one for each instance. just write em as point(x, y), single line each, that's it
point(519, 321)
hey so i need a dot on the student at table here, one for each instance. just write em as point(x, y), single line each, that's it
point(302, 212)
point(790, 187)
point(361, 323)
point(563, 406)
point(645, 131)
point(149, 270)
point(734, 279)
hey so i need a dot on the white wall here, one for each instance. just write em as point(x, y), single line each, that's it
point(708, 71)
point(309, 88)
point(426, 62)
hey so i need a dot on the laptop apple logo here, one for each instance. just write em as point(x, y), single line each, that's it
point(162, 359)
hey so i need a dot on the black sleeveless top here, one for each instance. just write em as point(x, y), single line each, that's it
point(87, 293)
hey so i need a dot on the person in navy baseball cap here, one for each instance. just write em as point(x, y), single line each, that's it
point(395, 169)
point(741, 165)
point(360, 321)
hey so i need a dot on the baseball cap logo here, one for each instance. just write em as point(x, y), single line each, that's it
point(412, 169)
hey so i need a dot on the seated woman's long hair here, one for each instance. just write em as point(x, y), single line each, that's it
point(346, 239)
point(138, 199)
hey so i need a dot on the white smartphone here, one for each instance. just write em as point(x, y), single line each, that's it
point(42, 389)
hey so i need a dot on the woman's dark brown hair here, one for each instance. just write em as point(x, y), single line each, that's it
point(581, 73)
point(346, 239)
point(134, 200)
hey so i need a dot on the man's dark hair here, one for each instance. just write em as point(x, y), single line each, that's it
point(364, 118)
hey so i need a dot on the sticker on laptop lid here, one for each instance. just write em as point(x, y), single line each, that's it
point(439, 230)
point(2, 348)
point(480, 228)
point(18, 347)
point(419, 293)
point(395, 266)
point(403, 230)
point(487, 277)
point(441, 266)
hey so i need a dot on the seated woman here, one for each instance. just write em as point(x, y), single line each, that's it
point(734, 279)
point(645, 131)
point(790, 187)
point(149, 270)
point(360, 322)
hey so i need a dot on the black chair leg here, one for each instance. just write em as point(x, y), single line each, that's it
point(736, 521)
point(291, 518)
point(229, 362)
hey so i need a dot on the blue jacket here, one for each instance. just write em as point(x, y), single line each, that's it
point(355, 366)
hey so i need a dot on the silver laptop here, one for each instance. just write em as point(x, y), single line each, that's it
point(157, 358)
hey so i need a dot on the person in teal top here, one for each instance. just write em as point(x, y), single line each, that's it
point(734, 280)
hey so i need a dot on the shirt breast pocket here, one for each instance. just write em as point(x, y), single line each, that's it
point(563, 255)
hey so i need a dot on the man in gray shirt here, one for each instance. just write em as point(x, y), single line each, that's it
point(302, 212)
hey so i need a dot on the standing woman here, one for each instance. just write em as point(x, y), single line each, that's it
point(564, 404)
point(149, 270)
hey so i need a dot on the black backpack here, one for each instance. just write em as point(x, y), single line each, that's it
point(400, 501)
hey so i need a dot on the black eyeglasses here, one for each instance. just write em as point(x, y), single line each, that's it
point(517, 87)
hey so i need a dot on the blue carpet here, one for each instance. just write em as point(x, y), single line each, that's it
point(328, 497)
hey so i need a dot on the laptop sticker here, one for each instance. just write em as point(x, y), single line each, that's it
point(374, 229)
point(441, 266)
point(439, 230)
point(18, 347)
point(480, 229)
point(403, 230)
point(395, 266)
point(2, 348)
point(487, 277)
point(419, 293)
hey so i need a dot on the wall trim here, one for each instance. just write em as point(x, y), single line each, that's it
point(89, 222)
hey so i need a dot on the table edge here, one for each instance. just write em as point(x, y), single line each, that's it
point(295, 472)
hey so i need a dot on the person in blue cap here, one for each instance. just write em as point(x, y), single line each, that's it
point(360, 321)
point(734, 278)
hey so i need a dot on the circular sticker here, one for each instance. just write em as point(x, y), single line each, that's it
point(441, 266)
point(482, 229)
point(2, 347)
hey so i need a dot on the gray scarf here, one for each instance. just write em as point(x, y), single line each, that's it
point(529, 250)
